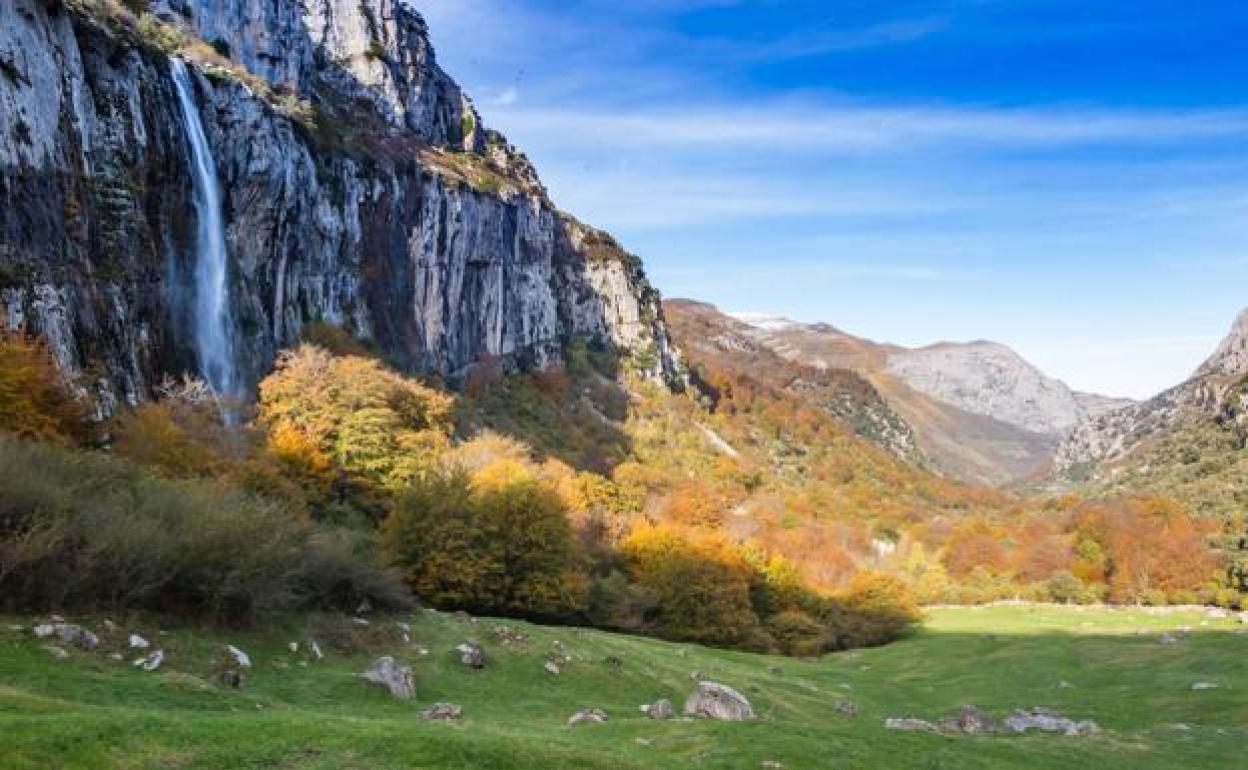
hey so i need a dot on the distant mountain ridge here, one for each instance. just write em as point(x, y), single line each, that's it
point(979, 410)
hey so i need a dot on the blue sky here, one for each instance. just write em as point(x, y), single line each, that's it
point(1069, 177)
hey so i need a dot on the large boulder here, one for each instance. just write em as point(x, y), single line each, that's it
point(398, 679)
point(716, 701)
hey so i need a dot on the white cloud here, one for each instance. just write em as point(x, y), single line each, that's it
point(508, 97)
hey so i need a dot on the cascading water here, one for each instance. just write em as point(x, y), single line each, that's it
point(213, 341)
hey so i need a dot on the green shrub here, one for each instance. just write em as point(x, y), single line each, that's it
point(83, 530)
point(504, 547)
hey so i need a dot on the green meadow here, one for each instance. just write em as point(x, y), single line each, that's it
point(90, 711)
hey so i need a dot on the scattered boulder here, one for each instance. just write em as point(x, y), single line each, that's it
point(69, 634)
point(316, 650)
point(716, 701)
point(845, 708)
point(293, 647)
point(1045, 721)
point(398, 679)
point(59, 653)
point(139, 643)
point(908, 725)
point(1204, 686)
point(152, 661)
point(509, 635)
point(771, 764)
point(471, 655)
point(235, 679)
point(442, 712)
point(551, 668)
point(661, 710)
point(588, 717)
point(241, 658)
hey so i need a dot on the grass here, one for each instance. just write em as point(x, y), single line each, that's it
point(92, 712)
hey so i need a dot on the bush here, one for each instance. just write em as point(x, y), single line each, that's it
point(501, 544)
point(374, 423)
point(875, 609)
point(86, 531)
point(33, 401)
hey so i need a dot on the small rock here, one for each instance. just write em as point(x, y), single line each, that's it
point(293, 647)
point(471, 655)
point(716, 701)
point(241, 658)
point(56, 652)
point(360, 622)
point(316, 650)
point(139, 643)
point(69, 634)
point(365, 607)
point(588, 717)
point(772, 765)
point(117, 656)
point(234, 679)
point(1168, 639)
point(1204, 686)
point(442, 712)
point(661, 710)
point(398, 679)
point(151, 662)
point(974, 721)
point(845, 708)
point(551, 668)
point(910, 725)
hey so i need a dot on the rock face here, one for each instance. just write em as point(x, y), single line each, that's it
point(720, 702)
point(397, 679)
point(990, 379)
point(389, 210)
point(1214, 393)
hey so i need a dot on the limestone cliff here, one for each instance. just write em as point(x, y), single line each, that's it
point(359, 187)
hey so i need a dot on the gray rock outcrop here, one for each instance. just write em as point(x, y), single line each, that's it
point(471, 655)
point(69, 634)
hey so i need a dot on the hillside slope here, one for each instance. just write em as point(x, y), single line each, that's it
point(978, 411)
point(1190, 441)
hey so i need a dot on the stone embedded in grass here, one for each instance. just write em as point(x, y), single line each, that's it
point(139, 643)
point(716, 701)
point(152, 661)
point(241, 658)
point(1045, 721)
point(397, 679)
point(1204, 686)
point(57, 652)
point(442, 712)
point(971, 721)
point(69, 634)
point(235, 679)
point(588, 717)
point(551, 668)
point(293, 647)
point(471, 655)
point(845, 708)
point(909, 725)
point(316, 650)
point(661, 710)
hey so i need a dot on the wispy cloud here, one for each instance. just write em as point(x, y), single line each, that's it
point(832, 128)
point(829, 38)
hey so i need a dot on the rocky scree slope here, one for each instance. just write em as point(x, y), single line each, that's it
point(359, 186)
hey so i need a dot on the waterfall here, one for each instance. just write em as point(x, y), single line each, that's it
point(212, 333)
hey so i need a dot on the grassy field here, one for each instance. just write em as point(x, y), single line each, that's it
point(91, 712)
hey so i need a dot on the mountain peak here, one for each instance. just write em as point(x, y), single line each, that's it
point(1231, 357)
